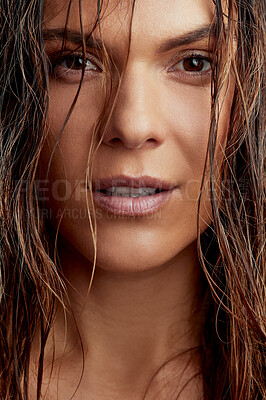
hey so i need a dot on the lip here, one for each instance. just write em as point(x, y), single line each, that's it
point(132, 206)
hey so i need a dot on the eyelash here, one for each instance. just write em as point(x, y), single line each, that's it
point(96, 66)
point(198, 58)
point(70, 69)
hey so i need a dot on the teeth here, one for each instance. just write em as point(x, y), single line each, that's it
point(125, 191)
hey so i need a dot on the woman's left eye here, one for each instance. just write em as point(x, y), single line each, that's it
point(192, 64)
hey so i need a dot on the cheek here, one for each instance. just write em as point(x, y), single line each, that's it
point(63, 188)
point(188, 110)
point(70, 156)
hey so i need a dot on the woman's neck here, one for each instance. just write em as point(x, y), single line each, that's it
point(130, 324)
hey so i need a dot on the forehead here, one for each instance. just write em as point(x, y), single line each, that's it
point(151, 18)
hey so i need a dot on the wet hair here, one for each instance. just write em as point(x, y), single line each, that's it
point(231, 250)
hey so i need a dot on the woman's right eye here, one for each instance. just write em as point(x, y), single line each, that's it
point(76, 63)
point(73, 65)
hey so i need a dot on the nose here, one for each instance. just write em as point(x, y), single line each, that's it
point(136, 122)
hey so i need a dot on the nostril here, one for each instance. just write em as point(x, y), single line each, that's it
point(131, 144)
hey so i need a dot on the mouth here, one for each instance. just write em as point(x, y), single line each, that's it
point(124, 191)
point(128, 196)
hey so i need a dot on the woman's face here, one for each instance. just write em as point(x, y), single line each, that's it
point(156, 137)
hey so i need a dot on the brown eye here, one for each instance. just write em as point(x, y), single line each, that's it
point(193, 64)
point(73, 62)
point(76, 63)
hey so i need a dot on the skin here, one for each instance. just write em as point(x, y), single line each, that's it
point(145, 304)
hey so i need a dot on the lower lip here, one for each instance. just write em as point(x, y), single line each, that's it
point(131, 206)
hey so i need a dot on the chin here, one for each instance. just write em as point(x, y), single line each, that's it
point(131, 245)
point(138, 252)
point(130, 260)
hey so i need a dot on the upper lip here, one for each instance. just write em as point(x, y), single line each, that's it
point(130, 181)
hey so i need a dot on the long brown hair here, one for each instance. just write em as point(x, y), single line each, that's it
point(231, 250)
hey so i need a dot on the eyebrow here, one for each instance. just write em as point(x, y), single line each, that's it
point(195, 35)
point(200, 33)
point(71, 36)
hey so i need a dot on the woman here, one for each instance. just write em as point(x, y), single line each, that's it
point(132, 207)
